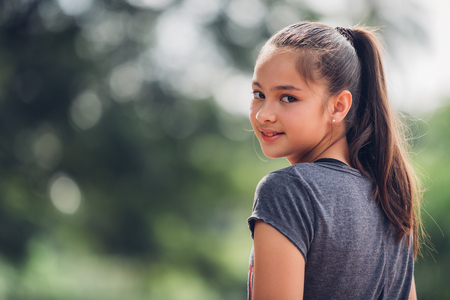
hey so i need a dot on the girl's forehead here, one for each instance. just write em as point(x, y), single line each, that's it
point(269, 52)
point(279, 67)
point(276, 62)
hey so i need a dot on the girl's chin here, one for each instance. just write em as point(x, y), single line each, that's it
point(272, 155)
point(293, 159)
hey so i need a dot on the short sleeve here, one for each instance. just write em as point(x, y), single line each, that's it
point(283, 201)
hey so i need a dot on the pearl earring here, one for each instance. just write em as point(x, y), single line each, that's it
point(333, 120)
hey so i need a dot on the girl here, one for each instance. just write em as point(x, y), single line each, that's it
point(342, 221)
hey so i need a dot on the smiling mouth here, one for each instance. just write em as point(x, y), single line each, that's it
point(271, 134)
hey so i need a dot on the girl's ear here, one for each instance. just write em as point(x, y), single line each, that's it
point(339, 105)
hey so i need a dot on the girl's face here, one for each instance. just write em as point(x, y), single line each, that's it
point(287, 115)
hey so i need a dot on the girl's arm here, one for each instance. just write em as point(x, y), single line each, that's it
point(279, 266)
point(413, 295)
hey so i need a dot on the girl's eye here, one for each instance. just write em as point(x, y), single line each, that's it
point(258, 95)
point(288, 99)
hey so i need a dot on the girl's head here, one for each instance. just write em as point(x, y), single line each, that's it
point(343, 69)
point(325, 56)
point(288, 114)
point(329, 57)
point(321, 63)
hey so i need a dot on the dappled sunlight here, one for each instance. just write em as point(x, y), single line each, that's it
point(47, 149)
point(151, 4)
point(86, 110)
point(246, 13)
point(178, 38)
point(41, 146)
point(75, 7)
point(280, 16)
point(103, 34)
point(330, 7)
point(125, 82)
point(64, 193)
point(234, 92)
point(203, 11)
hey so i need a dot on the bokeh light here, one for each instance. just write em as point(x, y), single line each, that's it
point(125, 82)
point(86, 110)
point(64, 193)
point(74, 7)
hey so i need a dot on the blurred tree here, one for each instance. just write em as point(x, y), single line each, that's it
point(91, 150)
point(431, 270)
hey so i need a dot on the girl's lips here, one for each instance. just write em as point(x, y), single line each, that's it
point(270, 135)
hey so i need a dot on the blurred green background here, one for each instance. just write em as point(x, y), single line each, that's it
point(127, 164)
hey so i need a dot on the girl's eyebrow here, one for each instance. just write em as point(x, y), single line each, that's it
point(279, 87)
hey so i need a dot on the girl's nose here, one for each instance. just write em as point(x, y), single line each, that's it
point(266, 113)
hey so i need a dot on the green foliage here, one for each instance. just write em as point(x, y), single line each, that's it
point(431, 271)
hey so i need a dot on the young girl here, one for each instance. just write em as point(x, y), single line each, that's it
point(342, 221)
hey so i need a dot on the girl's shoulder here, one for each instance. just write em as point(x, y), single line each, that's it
point(322, 175)
point(325, 167)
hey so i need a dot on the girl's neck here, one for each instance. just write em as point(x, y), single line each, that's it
point(338, 149)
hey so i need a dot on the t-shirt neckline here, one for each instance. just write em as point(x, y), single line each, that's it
point(331, 160)
point(337, 165)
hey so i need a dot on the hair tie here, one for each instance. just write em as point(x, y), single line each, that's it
point(347, 33)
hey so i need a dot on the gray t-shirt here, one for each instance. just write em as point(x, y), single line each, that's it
point(326, 209)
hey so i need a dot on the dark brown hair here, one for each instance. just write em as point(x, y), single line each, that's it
point(377, 145)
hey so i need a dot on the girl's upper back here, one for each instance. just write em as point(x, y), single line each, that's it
point(326, 209)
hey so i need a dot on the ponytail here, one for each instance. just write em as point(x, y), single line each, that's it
point(351, 60)
point(377, 145)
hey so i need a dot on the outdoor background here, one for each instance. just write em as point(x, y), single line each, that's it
point(127, 164)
